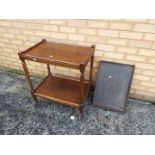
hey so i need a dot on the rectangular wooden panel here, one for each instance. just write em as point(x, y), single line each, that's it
point(113, 85)
point(59, 53)
point(62, 90)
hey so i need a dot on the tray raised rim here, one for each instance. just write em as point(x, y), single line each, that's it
point(24, 55)
point(129, 86)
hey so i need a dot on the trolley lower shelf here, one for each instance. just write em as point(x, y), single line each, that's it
point(66, 91)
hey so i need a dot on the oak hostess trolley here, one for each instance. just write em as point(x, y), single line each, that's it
point(62, 90)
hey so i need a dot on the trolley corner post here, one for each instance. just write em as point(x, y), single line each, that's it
point(91, 65)
point(27, 75)
point(49, 71)
point(82, 89)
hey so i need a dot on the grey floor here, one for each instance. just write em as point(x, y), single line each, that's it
point(19, 115)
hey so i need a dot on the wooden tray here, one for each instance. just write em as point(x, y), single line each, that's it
point(113, 85)
point(59, 54)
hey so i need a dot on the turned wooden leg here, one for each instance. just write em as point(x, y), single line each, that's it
point(91, 67)
point(82, 89)
point(91, 71)
point(28, 79)
point(49, 71)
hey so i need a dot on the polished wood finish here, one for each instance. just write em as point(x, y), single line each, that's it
point(82, 87)
point(67, 91)
point(27, 75)
point(61, 90)
point(59, 54)
point(49, 71)
point(91, 65)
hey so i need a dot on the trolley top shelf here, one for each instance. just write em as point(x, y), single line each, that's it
point(58, 54)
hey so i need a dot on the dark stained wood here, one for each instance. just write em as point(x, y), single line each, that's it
point(82, 87)
point(66, 91)
point(91, 69)
point(27, 75)
point(61, 90)
point(91, 65)
point(28, 79)
point(59, 54)
point(49, 71)
point(113, 85)
point(43, 41)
